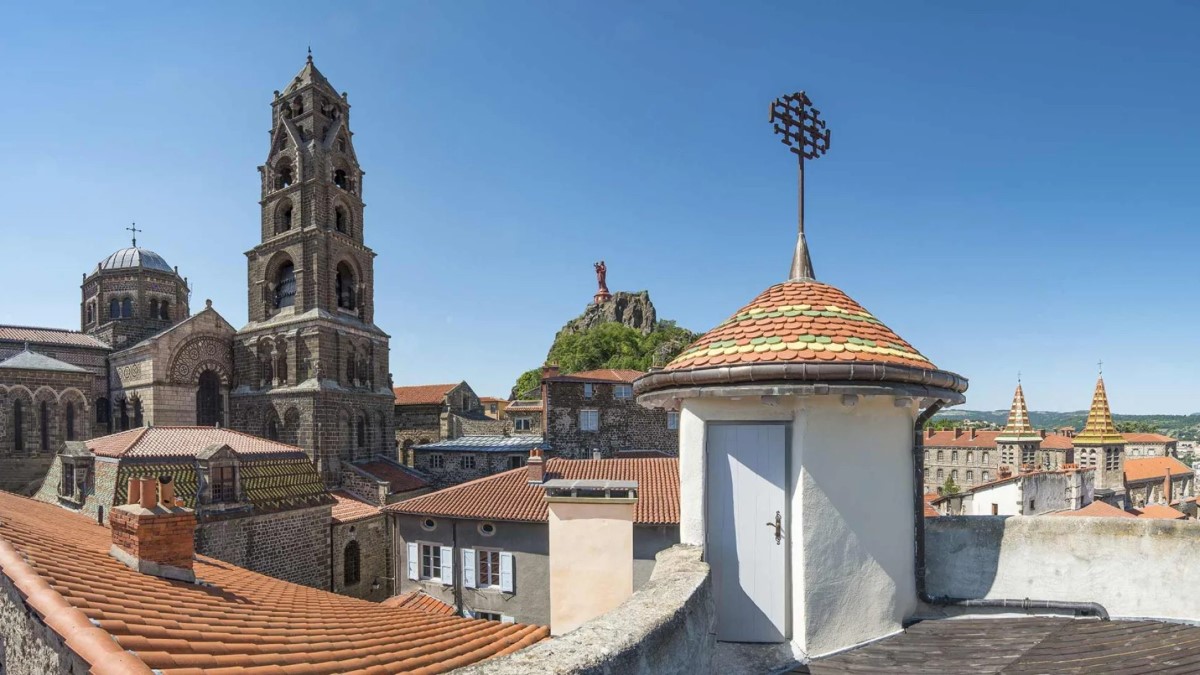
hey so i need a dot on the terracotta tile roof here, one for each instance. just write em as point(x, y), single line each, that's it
point(1099, 428)
point(1145, 468)
point(1147, 438)
point(50, 336)
point(236, 622)
point(509, 496)
point(399, 478)
point(422, 394)
point(983, 439)
point(1097, 510)
point(1057, 442)
point(349, 508)
point(491, 399)
point(798, 321)
point(1160, 511)
point(183, 442)
point(420, 601)
point(527, 405)
point(602, 375)
point(1018, 428)
point(931, 512)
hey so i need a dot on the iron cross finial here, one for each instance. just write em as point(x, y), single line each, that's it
point(805, 134)
point(134, 229)
point(1100, 366)
point(310, 53)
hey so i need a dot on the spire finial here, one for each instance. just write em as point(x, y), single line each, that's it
point(310, 53)
point(805, 134)
point(1100, 367)
point(134, 229)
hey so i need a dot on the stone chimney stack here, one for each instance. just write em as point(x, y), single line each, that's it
point(929, 431)
point(1166, 489)
point(535, 467)
point(957, 432)
point(154, 534)
point(549, 370)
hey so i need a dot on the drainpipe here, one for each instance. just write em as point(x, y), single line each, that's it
point(918, 461)
point(458, 580)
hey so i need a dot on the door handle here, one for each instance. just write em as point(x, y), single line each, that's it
point(778, 525)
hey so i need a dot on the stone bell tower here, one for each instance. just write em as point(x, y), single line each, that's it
point(312, 367)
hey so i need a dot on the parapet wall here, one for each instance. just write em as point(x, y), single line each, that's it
point(1135, 568)
point(665, 628)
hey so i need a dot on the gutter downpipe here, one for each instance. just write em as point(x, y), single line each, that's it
point(918, 460)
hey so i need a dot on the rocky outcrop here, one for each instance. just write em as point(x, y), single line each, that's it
point(632, 309)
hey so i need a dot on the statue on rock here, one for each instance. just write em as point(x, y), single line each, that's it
point(602, 294)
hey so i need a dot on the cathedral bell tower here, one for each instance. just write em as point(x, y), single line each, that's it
point(312, 366)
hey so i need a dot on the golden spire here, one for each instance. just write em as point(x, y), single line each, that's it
point(1018, 428)
point(1099, 428)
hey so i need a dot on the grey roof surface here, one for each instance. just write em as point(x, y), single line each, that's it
point(134, 256)
point(28, 360)
point(50, 336)
point(486, 444)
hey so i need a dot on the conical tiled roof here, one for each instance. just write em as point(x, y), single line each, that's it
point(1099, 428)
point(1018, 428)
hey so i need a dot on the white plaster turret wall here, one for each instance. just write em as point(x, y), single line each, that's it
point(850, 494)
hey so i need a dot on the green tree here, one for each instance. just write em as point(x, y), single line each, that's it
point(1136, 427)
point(950, 487)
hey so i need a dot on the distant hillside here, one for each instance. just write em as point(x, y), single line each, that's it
point(1184, 427)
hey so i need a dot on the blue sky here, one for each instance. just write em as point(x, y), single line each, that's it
point(1011, 187)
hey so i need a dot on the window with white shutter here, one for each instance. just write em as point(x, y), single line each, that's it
point(448, 565)
point(468, 567)
point(506, 572)
point(413, 562)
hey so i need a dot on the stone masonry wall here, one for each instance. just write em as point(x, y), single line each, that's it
point(27, 645)
point(33, 388)
point(456, 468)
point(371, 489)
point(290, 545)
point(375, 558)
point(624, 425)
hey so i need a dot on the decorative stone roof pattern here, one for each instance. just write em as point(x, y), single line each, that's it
point(270, 483)
point(349, 509)
point(422, 394)
point(509, 496)
point(236, 622)
point(183, 442)
point(521, 443)
point(1147, 468)
point(50, 336)
point(800, 321)
point(603, 375)
point(399, 478)
point(1099, 428)
point(1018, 428)
point(28, 360)
point(134, 256)
point(420, 601)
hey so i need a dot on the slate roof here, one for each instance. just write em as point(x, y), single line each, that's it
point(519, 443)
point(422, 394)
point(134, 256)
point(28, 360)
point(50, 336)
point(348, 508)
point(1147, 468)
point(144, 442)
point(420, 601)
point(237, 621)
point(603, 375)
point(509, 496)
point(399, 478)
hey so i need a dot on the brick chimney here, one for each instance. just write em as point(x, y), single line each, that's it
point(549, 370)
point(154, 534)
point(957, 432)
point(535, 467)
point(929, 431)
point(1167, 488)
point(1005, 472)
point(1042, 432)
point(973, 432)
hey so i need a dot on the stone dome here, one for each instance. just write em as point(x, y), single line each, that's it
point(134, 256)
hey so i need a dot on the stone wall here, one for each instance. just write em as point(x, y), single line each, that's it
point(375, 559)
point(365, 486)
point(665, 628)
point(27, 645)
point(289, 545)
point(456, 465)
point(1068, 559)
point(624, 425)
point(32, 388)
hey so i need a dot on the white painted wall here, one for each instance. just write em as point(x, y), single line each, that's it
point(1132, 566)
point(850, 494)
point(1032, 495)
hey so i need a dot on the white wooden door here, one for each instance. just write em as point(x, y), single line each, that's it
point(747, 479)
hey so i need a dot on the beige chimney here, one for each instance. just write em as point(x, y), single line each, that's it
point(1167, 488)
point(973, 432)
point(929, 431)
point(591, 539)
point(957, 432)
point(153, 533)
point(535, 467)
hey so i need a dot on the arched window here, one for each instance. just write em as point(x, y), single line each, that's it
point(153, 308)
point(89, 313)
point(126, 308)
point(273, 429)
point(137, 412)
point(70, 421)
point(283, 216)
point(281, 362)
point(101, 410)
point(340, 219)
point(124, 414)
point(164, 311)
point(350, 367)
point(941, 456)
point(283, 173)
point(285, 286)
point(344, 283)
point(362, 432)
point(44, 415)
point(350, 564)
point(297, 106)
point(114, 309)
point(208, 400)
point(940, 475)
point(340, 179)
point(19, 426)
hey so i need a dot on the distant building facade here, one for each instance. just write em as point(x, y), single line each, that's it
point(1027, 494)
point(595, 412)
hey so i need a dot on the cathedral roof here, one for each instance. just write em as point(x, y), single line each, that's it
point(307, 75)
point(134, 256)
point(28, 360)
point(1018, 428)
point(1099, 428)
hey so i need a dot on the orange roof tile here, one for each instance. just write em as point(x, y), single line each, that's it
point(1147, 438)
point(183, 442)
point(1097, 510)
point(422, 394)
point(982, 439)
point(421, 601)
point(237, 621)
point(50, 336)
point(602, 375)
point(1161, 511)
point(1057, 442)
point(348, 508)
point(399, 478)
point(1146, 468)
point(491, 399)
point(798, 321)
point(509, 496)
